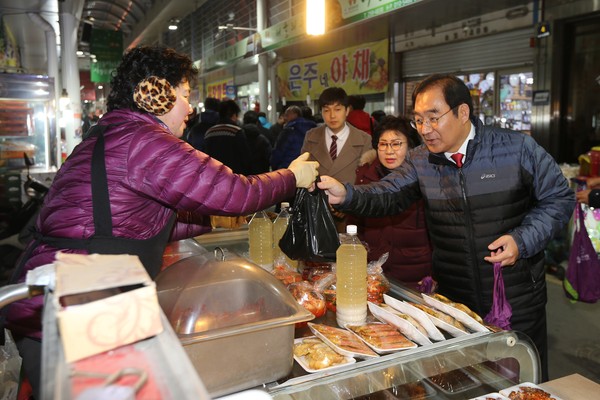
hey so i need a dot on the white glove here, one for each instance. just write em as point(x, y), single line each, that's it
point(304, 171)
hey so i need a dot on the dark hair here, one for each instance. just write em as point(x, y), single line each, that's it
point(455, 91)
point(211, 104)
point(332, 96)
point(357, 102)
point(142, 62)
point(228, 109)
point(262, 114)
point(378, 115)
point(306, 112)
point(250, 117)
point(400, 124)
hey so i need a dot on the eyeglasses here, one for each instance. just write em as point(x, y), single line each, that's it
point(430, 122)
point(382, 146)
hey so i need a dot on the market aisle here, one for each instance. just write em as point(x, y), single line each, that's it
point(573, 335)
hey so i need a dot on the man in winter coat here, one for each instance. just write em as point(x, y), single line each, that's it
point(291, 137)
point(491, 196)
point(357, 116)
point(260, 147)
point(226, 141)
point(208, 118)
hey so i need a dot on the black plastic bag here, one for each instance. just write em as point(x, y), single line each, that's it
point(311, 234)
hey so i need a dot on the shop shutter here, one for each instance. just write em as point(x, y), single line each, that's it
point(503, 50)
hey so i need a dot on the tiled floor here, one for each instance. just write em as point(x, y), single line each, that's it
point(573, 335)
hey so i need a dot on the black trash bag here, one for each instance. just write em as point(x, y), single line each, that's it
point(311, 234)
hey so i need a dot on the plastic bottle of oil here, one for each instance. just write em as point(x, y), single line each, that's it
point(260, 234)
point(351, 286)
point(279, 227)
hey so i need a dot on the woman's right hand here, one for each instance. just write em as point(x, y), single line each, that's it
point(336, 191)
point(305, 171)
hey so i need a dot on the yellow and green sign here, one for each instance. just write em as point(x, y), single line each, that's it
point(361, 69)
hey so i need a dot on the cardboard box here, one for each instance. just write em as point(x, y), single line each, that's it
point(103, 302)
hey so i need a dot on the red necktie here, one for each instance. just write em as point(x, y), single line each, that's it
point(333, 147)
point(458, 159)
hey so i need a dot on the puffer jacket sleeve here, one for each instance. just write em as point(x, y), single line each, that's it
point(174, 173)
point(391, 195)
point(555, 201)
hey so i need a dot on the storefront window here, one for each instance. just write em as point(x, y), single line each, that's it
point(515, 101)
point(499, 98)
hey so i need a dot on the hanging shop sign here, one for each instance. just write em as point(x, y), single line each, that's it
point(107, 46)
point(352, 10)
point(360, 69)
point(220, 89)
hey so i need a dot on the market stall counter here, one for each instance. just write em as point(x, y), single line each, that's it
point(452, 367)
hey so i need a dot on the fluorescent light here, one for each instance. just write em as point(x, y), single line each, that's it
point(173, 24)
point(315, 17)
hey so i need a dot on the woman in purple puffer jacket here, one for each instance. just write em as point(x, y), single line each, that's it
point(403, 236)
point(132, 184)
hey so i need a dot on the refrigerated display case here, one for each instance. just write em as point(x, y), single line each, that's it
point(27, 119)
point(456, 368)
point(27, 126)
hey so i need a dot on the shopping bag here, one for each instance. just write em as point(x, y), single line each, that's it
point(311, 234)
point(501, 310)
point(582, 279)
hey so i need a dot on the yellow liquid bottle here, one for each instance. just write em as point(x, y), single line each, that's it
point(260, 235)
point(351, 284)
point(279, 227)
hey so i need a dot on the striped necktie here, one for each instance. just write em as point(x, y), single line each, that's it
point(333, 147)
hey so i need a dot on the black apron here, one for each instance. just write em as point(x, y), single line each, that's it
point(150, 251)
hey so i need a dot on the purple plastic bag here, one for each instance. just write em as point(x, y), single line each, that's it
point(501, 310)
point(582, 280)
point(426, 285)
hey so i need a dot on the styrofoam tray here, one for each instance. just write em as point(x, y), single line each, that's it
point(491, 396)
point(403, 325)
point(451, 329)
point(360, 350)
point(420, 316)
point(517, 388)
point(462, 316)
point(304, 363)
point(383, 350)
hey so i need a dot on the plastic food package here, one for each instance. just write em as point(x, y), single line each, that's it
point(326, 285)
point(285, 272)
point(377, 283)
point(10, 366)
point(307, 296)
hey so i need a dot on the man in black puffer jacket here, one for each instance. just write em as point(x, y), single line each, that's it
point(491, 195)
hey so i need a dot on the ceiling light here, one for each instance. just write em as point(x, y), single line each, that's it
point(173, 24)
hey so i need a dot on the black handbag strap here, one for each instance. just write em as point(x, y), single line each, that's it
point(100, 197)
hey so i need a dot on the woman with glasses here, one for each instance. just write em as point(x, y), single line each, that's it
point(404, 236)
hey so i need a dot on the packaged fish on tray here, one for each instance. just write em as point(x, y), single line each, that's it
point(383, 338)
point(443, 320)
point(456, 310)
point(406, 324)
point(421, 317)
point(342, 341)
